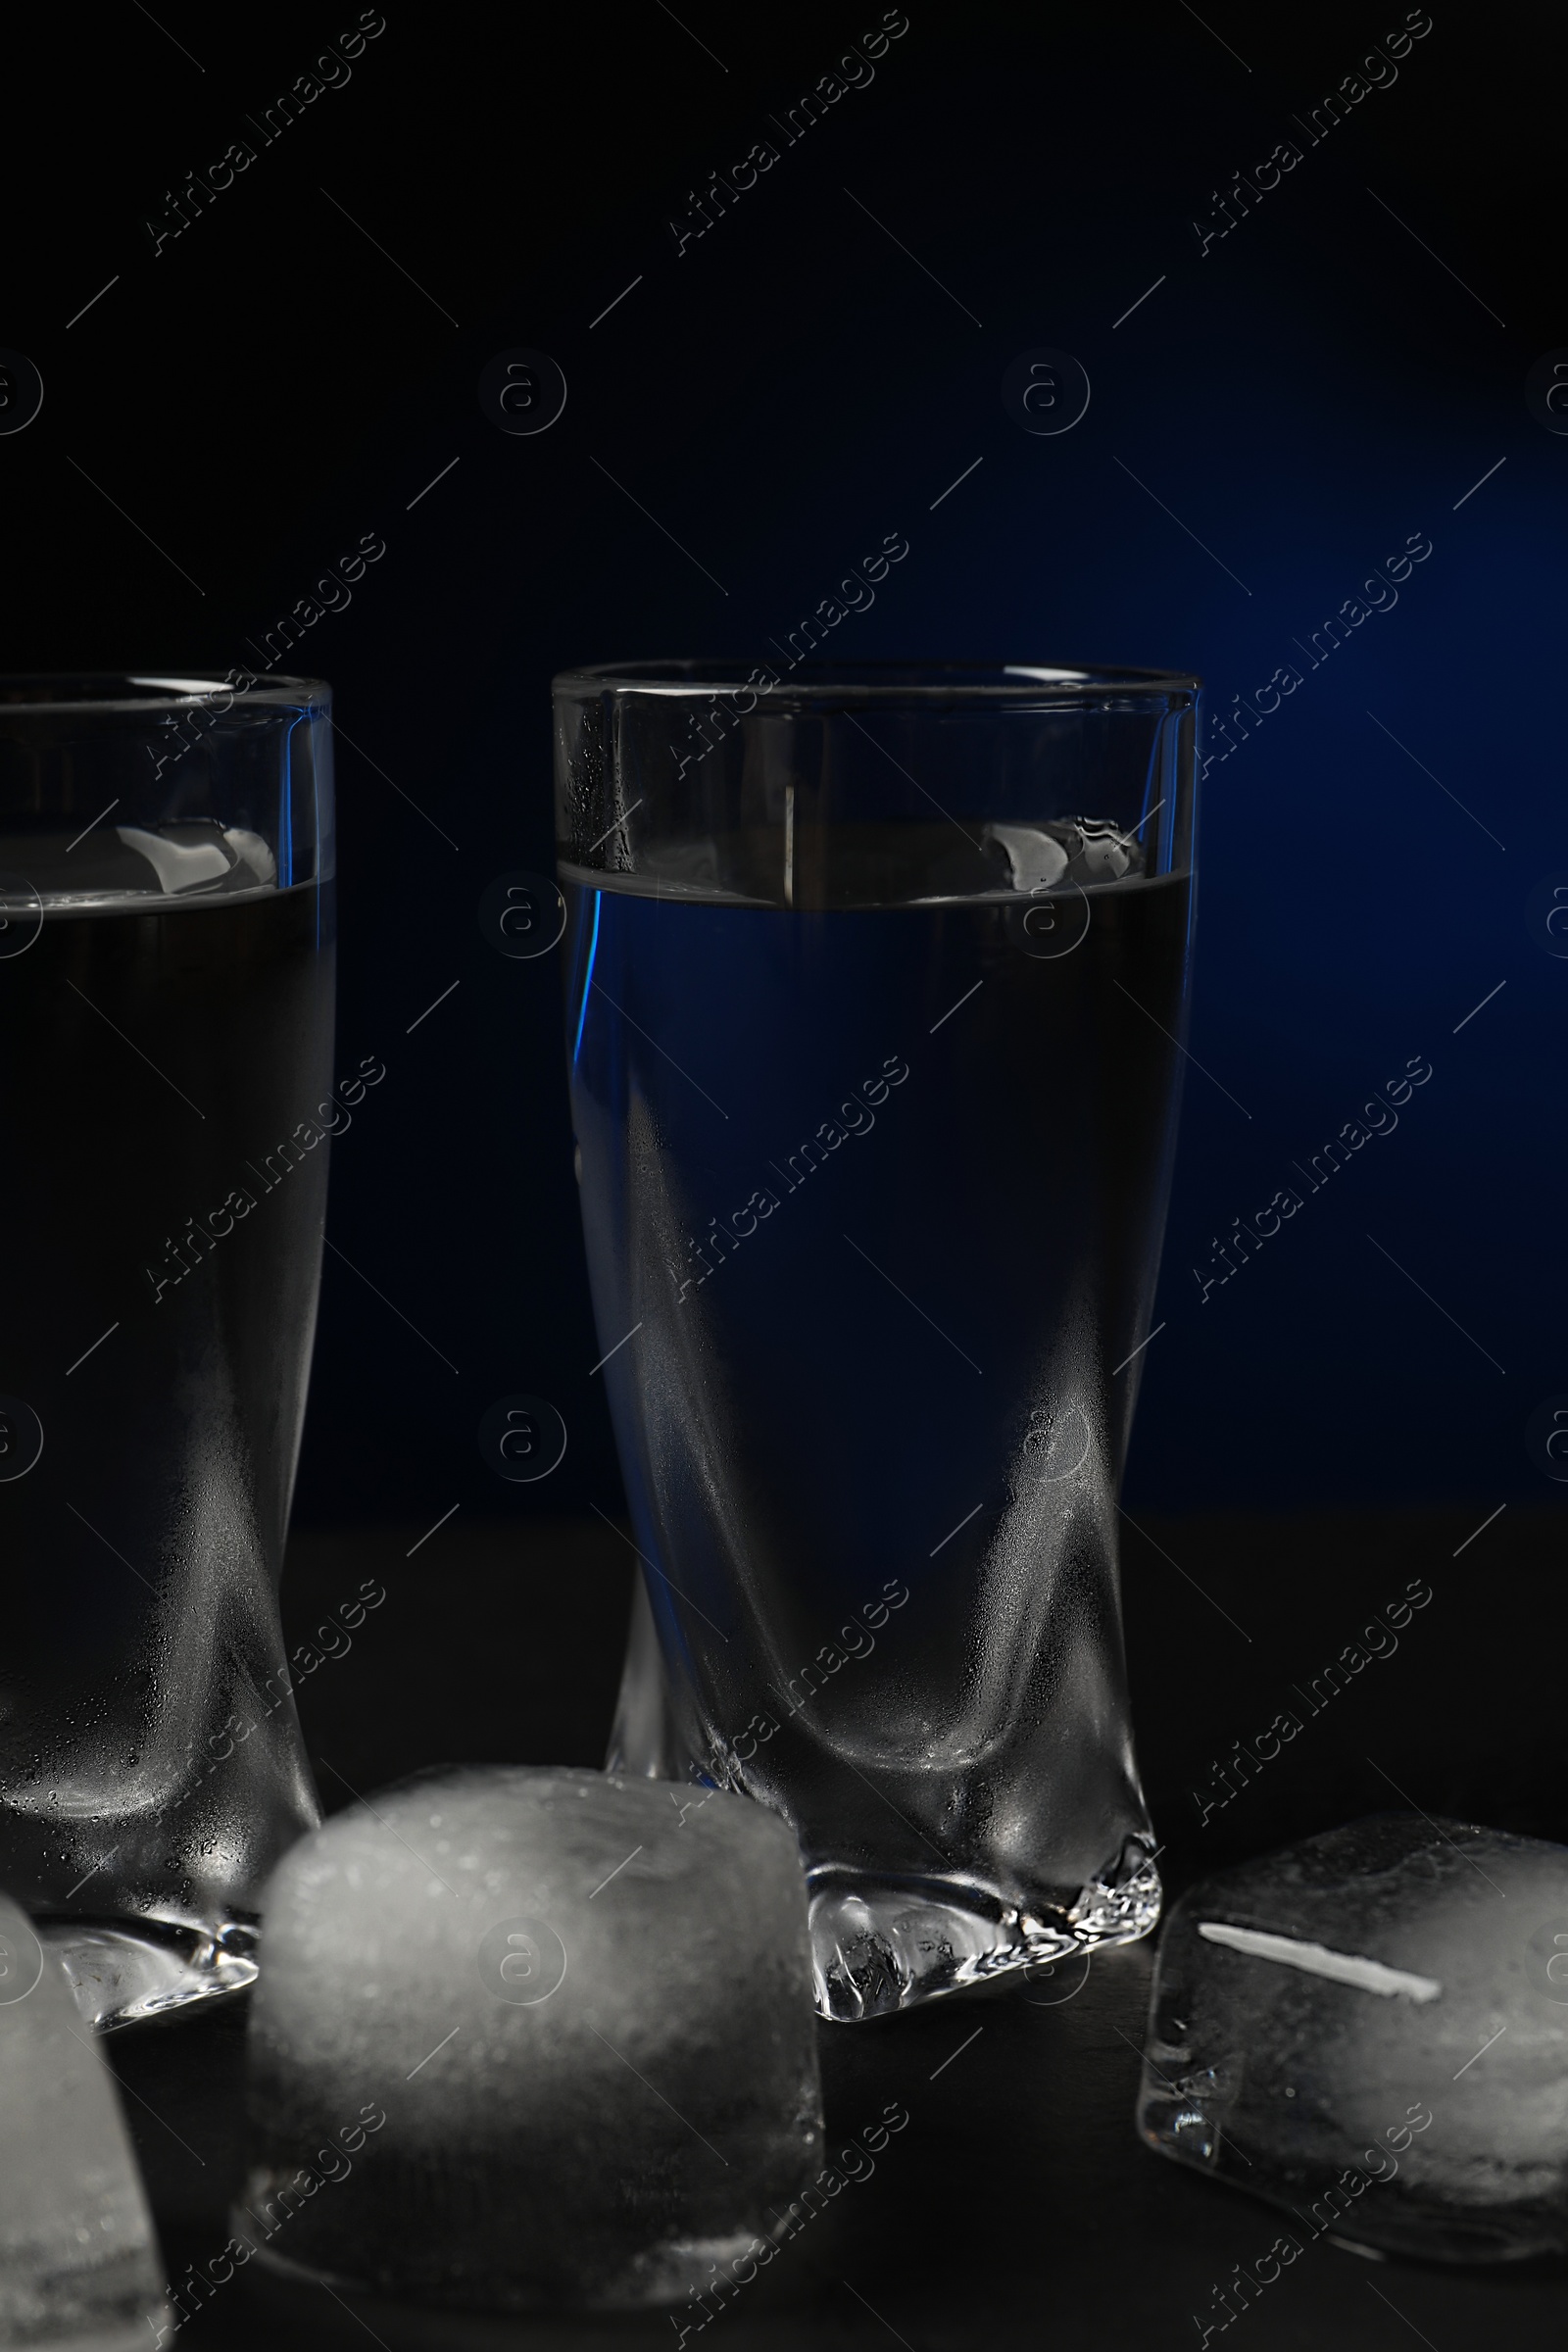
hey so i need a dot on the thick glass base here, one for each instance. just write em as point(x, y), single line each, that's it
point(881, 1947)
point(127, 1972)
point(883, 1943)
point(670, 2270)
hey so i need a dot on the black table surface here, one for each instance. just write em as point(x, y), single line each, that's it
point(1018, 2201)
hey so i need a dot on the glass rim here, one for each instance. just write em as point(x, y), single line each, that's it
point(1001, 683)
point(55, 694)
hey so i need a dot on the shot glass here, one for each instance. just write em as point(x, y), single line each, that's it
point(876, 983)
point(166, 1040)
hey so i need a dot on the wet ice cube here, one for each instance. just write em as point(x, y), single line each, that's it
point(1371, 2031)
point(529, 2037)
point(78, 2262)
point(1033, 857)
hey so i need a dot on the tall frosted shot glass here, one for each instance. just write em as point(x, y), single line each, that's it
point(166, 1078)
point(877, 982)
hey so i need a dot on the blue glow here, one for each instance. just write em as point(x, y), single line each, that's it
point(588, 976)
point(285, 827)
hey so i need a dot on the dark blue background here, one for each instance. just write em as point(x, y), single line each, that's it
point(1314, 389)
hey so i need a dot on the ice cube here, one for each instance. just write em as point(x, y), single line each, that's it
point(529, 2037)
point(1371, 2031)
point(1035, 858)
point(78, 2262)
point(184, 857)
